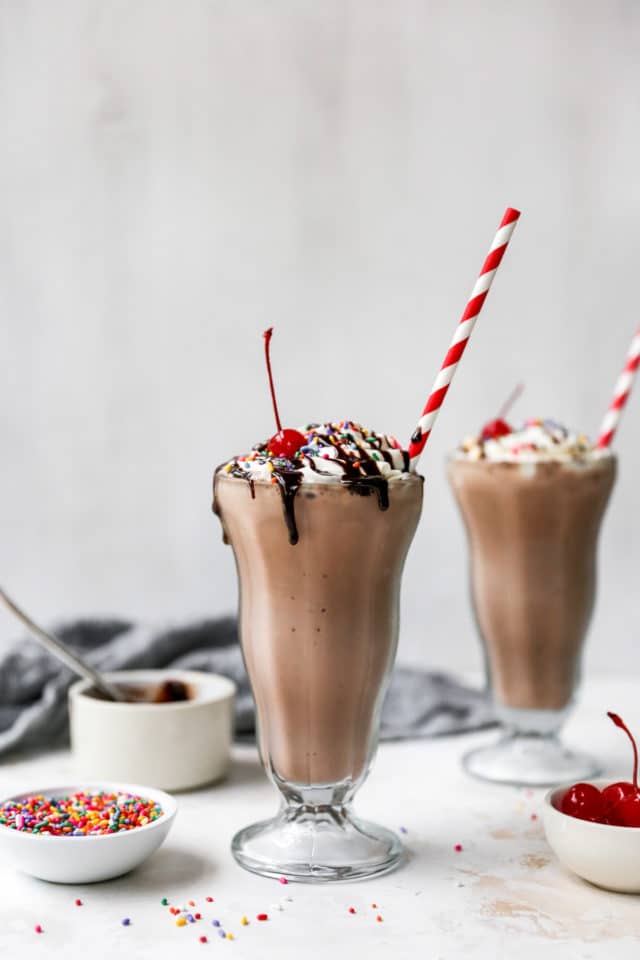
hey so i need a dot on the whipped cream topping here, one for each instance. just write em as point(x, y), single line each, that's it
point(536, 441)
point(344, 451)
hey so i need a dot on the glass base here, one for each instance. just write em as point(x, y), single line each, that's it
point(529, 761)
point(317, 844)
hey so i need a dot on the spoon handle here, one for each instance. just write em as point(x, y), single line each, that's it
point(59, 650)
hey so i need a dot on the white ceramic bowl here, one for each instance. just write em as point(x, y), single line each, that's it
point(604, 855)
point(173, 746)
point(92, 858)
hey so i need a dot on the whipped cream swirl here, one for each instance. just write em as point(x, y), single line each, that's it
point(333, 452)
point(536, 441)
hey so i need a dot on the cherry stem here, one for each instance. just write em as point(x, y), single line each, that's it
point(267, 340)
point(511, 399)
point(619, 722)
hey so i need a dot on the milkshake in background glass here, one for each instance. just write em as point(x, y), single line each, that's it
point(320, 538)
point(532, 501)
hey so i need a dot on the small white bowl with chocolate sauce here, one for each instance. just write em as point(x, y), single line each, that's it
point(173, 731)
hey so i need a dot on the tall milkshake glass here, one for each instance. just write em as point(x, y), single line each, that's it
point(532, 502)
point(319, 601)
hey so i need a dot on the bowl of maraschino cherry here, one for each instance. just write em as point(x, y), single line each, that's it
point(594, 828)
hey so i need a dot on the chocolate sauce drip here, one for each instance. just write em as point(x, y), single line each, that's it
point(289, 482)
point(316, 469)
point(214, 503)
point(365, 486)
point(236, 472)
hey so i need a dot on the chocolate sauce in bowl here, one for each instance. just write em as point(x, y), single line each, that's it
point(171, 691)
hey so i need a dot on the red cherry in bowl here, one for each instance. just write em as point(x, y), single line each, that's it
point(617, 804)
point(286, 443)
point(495, 429)
point(583, 801)
point(626, 812)
point(614, 793)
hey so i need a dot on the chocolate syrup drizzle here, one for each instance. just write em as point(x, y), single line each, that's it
point(361, 474)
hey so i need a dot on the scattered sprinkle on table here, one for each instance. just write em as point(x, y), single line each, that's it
point(209, 899)
point(126, 922)
point(181, 922)
point(221, 933)
point(352, 909)
point(198, 916)
point(379, 918)
point(244, 922)
point(283, 880)
point(229, 936)
point(403, 830)
point(458, 848)
point(38, 928)
point(534, 816)
point(78, 903)
point(262, 916)
point(203, 939)
point(374, 906)
point(164, 902)
point(79, 814)
point(215, 923)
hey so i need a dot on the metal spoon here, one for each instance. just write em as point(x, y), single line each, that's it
point(62, 652)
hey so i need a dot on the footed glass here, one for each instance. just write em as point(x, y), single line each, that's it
point(318, 629)
point(532, 531)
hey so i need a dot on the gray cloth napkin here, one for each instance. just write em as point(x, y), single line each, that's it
point(33, 684)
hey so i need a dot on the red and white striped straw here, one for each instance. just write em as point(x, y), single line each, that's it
point(462, 334)
point(621, 393)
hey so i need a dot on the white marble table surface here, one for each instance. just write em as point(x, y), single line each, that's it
point(503, 893)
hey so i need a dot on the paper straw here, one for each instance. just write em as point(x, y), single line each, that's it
point(621, 393)
point(463, 332)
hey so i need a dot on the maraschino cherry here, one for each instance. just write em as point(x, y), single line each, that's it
point(285, 443)
point(583, 801)
point(617, 804)
point(499, 427)
point(622, 799)
point(495, 429)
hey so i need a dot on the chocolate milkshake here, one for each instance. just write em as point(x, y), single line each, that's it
point(532, 501)
point(320, 539)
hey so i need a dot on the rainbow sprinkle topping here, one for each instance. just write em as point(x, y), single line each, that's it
point(79, 814)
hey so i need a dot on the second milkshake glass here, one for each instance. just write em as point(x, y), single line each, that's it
point(533, 533)
point(318, 629)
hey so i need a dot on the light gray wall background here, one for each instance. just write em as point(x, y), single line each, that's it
point(176, 176)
